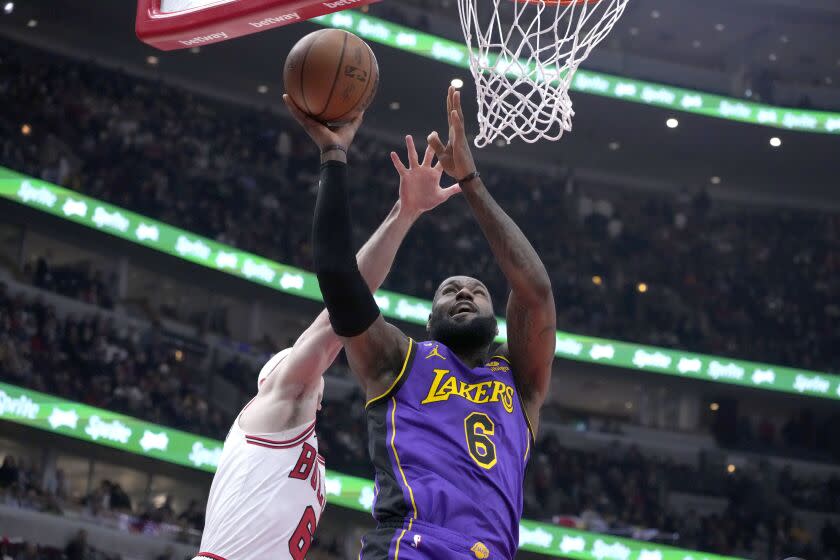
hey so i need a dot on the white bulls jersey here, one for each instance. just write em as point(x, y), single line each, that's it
point(266, 498)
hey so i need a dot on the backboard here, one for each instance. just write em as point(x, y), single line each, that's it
point(180, 24)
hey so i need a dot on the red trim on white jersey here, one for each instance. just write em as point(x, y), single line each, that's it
point(321, 459)
point(210, 555)
point(274, 444)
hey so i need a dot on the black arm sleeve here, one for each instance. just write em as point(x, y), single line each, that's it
point(349, 301)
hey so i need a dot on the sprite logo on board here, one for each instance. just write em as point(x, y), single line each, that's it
point(115, 430)
point(200, 455)
point(22, 406)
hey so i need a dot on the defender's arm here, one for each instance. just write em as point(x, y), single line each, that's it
point(374, 347)
point(317, 347)
point(419, 191)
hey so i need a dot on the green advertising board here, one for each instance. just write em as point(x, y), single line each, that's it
point(102, 427)
point(616, 87)
point(141, 230)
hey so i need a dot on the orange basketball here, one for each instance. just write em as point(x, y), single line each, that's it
point(331, 75)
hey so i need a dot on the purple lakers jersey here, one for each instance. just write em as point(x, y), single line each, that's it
point(450, 445)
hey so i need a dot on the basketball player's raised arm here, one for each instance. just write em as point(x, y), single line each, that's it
point(318, 346)
point(375, 348)
point(531, 316)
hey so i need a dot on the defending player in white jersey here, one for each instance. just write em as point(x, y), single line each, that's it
point(268, 492)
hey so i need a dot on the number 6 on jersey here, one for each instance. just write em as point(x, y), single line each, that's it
point(478, 428)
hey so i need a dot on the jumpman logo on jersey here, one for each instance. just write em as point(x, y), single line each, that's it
point(435, 353)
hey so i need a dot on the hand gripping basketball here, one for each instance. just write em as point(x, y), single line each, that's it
point(456, 157)
point(321, 134)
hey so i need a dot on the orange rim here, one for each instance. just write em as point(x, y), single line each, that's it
point(560, 2)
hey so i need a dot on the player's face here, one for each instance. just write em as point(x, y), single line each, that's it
point(462, 314)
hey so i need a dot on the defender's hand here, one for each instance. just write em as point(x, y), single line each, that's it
point(420, 189)
point(455, 157)
point(320, 133)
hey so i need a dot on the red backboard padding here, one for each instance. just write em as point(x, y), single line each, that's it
point(226, 20)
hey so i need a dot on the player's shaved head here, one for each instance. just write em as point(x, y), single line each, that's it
point(462, 315)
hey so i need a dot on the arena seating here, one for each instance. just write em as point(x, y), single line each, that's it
point(162, 151)
point(744, 281)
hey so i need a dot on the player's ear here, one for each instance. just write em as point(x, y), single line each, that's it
point(429, 324)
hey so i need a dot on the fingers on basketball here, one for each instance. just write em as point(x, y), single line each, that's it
point(307, 122)
point(293, 108)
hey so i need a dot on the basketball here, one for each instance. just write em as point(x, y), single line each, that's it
point(332, 75)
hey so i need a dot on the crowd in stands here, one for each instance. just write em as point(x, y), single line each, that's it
point(619, 491)
point(721, 279)
point(79, 549)
point(757, 80)
point(724, 280)
point(616, 490)
point(24, 485)
point(803, 435)
point(80, 281)
point(90, 360)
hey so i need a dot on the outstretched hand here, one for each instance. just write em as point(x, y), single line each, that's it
point(320, 133)
point(455, 157)
point(420, 189)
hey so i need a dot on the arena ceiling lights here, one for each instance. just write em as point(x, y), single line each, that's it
point(138, 229)
point(118, 431)
point(596, 83)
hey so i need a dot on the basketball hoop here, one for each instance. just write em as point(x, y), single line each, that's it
point(523, 57)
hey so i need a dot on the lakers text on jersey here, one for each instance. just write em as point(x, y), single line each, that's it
point(449, 445)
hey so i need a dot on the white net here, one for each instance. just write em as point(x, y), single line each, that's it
point(523, 56)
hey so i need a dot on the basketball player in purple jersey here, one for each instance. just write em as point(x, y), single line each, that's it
point(450, 422)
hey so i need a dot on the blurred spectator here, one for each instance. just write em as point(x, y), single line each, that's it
point(8, 472)
point(164, 513)
point(29, 552)
point(193, 516)
point(80, 281)
point(90, 360)
point(77, 548)
point(168, 554)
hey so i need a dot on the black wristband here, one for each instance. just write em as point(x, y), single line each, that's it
point(332, 147)
point(470, 177)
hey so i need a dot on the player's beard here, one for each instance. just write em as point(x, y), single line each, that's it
point(467, 336)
